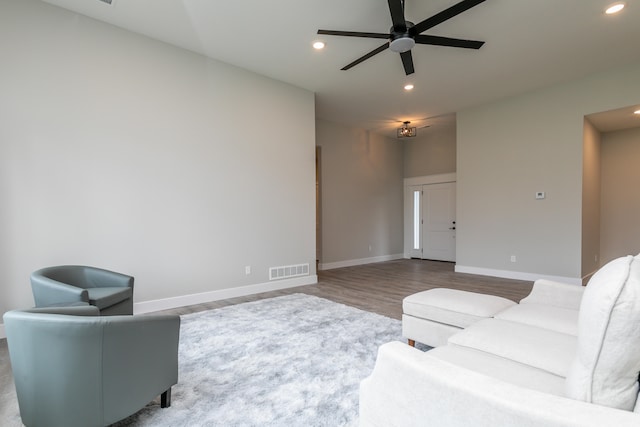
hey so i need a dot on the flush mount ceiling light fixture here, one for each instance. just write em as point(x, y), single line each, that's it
point(405, 131)
point(408, 87)
point(637, 112)
point(318, 45)
point(614, 8)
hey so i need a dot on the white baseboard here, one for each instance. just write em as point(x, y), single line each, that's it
point(516, 275)
point(184, 300)
point(361, 261)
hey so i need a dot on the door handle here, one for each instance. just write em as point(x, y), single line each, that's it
point(452, 228)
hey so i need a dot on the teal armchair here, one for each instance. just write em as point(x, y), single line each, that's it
point(111, 292)
point(74, 368)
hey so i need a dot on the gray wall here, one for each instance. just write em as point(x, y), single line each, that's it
point(620, 228)
point(122, 152)
point(432, 152)
point(362, 195)
point(508, 150)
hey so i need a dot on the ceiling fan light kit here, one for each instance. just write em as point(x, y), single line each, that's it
point(401, 41)
point(404, 35)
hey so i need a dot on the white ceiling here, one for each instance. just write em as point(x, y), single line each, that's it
point(529, 44)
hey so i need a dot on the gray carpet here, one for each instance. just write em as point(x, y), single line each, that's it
point(295, 360)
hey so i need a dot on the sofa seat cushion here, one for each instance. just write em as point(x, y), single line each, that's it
point(453, 307)
point(106, 297)
point(498, 367)
point(555, 318)
point(544, 349)
point(607, 363)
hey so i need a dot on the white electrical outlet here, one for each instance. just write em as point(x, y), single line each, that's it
point(513, 258)
point(247, 269)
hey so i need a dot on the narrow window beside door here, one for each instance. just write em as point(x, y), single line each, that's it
point(416, 219)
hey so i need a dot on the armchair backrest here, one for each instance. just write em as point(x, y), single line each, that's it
point(74, 368)
point(69, 284)
point(82, 276)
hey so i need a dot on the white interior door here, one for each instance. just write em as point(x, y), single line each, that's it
point(439, 221)
point(430, 221)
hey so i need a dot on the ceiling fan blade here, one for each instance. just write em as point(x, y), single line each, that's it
point(447, 41)
point(396, 7)
point(353, 34)
point(446, 14)
point(367, 56)
point(407, 62)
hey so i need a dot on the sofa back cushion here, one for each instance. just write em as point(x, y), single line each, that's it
point(605, 370)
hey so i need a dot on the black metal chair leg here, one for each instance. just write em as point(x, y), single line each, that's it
point(165, 399)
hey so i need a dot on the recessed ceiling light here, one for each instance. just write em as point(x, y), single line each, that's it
point(637, 112)
point(408, 87)
point(318, 45)
point(614, 8)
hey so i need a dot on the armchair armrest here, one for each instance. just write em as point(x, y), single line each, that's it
point(557, 294)
point(100, 278)
point(410, 388)
point(140, 360)
point(48, 291)
point(73, 310)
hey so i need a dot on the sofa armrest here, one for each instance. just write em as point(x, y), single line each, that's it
point(410, 388)
point(557, 294)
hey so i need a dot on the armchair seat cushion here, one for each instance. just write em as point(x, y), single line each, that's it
point(106, 297)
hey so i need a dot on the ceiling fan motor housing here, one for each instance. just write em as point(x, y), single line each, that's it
point(400, 39)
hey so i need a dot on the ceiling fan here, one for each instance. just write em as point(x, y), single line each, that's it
point(404, 35)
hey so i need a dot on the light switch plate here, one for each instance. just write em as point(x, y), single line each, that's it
point(540, 195)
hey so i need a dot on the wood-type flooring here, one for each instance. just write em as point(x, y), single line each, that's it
point(380, 287)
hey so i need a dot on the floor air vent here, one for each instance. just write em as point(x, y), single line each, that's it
point(287, 271)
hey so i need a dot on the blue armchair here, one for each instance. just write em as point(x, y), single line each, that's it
point(111, 292)
point(75, 368)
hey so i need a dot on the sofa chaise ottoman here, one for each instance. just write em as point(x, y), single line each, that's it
point(432, 316)
point(565, 356)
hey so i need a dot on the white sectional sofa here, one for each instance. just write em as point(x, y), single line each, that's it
point(565, 356)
